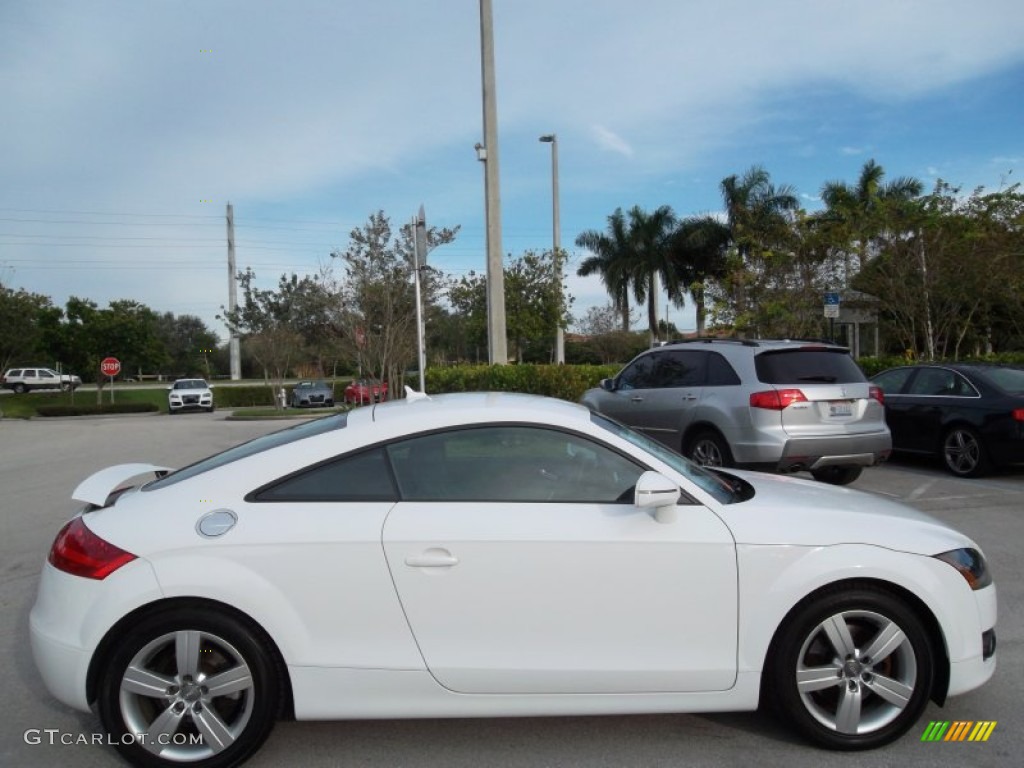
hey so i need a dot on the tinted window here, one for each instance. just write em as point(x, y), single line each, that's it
point(260, 444)
point(1010, 380)
point(720, 373)
point(680, 368)
point(940, 382)
point(362, 477)
point(638, 375)
point(891, 382)
point(807, 366)
point(511, 464)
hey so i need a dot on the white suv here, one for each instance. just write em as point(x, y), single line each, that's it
point(782, 406)
point(189, 395)
point(22, 380)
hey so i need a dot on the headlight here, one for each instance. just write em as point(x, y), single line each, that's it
point(971, 565)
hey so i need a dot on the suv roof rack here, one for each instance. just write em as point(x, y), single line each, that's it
point(710, 339)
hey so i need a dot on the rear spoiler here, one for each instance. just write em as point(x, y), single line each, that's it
point(97, 487)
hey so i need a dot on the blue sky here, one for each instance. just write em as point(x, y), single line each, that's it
point(122, 119)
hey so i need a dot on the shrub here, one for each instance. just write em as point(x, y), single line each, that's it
point(567, 382)
point(94, 410)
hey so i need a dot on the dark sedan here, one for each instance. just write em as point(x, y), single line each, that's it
point(971, 415)
point(312, 394)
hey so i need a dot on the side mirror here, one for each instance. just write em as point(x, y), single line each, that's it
point(169, 389)
point(657, 492)
point(608, 385)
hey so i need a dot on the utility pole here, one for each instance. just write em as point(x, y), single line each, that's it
point(488, 154)
point(234, 351)
point(556, 245)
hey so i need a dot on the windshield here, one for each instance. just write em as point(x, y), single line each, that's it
point(707, 481)
point(260, 444)
point(190, 384)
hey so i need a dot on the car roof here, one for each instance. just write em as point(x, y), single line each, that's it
point(431, 411)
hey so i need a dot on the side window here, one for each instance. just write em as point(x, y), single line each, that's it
point(891, 382)
point(681, 368)
point(44, 374)
point(511, 464)
point(15, 372)
point(962, 387)
point(720, 373)
point(934, 381)
point(359, 477)
point(639, 374)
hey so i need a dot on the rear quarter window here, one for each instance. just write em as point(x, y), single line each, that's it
point(807, 366)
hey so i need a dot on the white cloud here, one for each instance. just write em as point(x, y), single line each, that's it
point(611, 141)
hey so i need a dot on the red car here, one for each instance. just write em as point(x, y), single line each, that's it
point(361, 391)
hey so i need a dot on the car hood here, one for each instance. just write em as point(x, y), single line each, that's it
point(790, 510)
point(95, 488)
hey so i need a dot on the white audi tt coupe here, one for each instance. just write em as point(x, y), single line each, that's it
point(495, 555)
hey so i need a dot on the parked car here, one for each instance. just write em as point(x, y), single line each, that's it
point(362, 391)
point(22, 380)
point(781, 406)
point(312, 394)
point(189, 395)
point(970, 415)
point(495, 554)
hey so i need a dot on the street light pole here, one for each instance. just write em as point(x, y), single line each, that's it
point(556, 244)
point(497, 343)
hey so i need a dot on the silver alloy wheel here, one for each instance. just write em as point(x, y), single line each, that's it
point(187, 695)
point(961, 451)
point(856, 672)
point(707, 453)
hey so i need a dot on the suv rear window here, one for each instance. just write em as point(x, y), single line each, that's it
point(805, 365)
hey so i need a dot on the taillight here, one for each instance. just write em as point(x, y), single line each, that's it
point(776, 399)
point(1018, 414)
point(80, 552)
point(876, 393)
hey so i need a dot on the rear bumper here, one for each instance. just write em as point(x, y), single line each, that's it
point(806, 453)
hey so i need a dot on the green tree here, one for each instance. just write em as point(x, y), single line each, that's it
point(698, 252)
point(856, 214)
point(611, 257)
point(377, 299)
point(23, 317)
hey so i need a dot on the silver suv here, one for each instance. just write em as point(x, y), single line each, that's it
point(782, 406)
point(22, 380)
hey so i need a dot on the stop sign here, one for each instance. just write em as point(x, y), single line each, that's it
point(110, 366)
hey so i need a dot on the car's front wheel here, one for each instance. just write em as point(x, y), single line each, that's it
point(852, 669)
point(963, 453)
point(20, 389)
point(843, 475)
point(189, 686)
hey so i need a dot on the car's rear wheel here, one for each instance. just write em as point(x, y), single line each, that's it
point(852, 669)
point(963, 453)
point(709, 449)
point(189, 687)
point(839, 475)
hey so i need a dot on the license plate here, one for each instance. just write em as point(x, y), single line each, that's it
point(842, 408)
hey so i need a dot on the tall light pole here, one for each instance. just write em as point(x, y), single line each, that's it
point(556, 244)
point(497, 345)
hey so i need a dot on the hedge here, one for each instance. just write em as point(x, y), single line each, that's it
point(95, 410)
point(567, 382)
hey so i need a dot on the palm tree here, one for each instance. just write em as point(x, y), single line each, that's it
point(698, 255)
point(611, 259)
point(758, 215)
point(631, 256)
point(860, 209)
point(650, 235)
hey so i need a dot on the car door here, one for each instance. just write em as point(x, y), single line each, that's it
point(898, 403)
point(936, 397)
point(524, 567)
point(664, 410)
point(624, 401)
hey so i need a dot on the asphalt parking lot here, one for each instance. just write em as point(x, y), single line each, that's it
point(41, 461)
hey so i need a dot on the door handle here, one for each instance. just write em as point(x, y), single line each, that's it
point(432, 558)
point(636, 399)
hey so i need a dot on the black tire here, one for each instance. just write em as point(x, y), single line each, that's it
point(839, 475)
point(709, 449)
point(963, 453)
point(165, 685)
point(821, 677)
point(20, 389)
point(64, 387)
